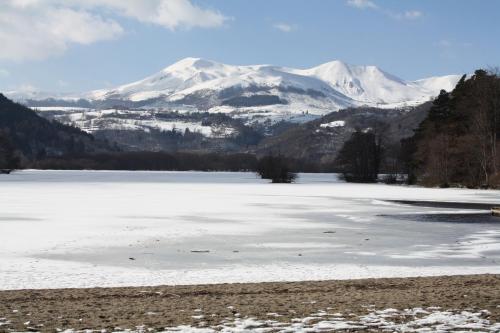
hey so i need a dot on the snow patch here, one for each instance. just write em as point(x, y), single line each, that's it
point(388, 320)
point(333, 124)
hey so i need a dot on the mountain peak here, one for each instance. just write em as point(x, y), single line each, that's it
point(335, 62)
point(192, 63)
point(341, 67)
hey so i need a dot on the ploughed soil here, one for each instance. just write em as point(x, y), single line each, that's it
point(169, 306)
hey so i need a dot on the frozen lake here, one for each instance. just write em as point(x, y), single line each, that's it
point(85, 229)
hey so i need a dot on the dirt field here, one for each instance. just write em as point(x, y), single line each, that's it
point(170, 306)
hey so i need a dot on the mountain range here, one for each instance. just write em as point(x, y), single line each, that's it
point(202, 105)
point(195, 84)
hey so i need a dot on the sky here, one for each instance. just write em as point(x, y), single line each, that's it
point(81, 45)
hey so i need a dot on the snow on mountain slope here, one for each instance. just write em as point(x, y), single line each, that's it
point(177, 77)
point(366, 84)
point(329, 86)
point(436, 83)
point(36, 95)
point(193, 76)
point(199, 84)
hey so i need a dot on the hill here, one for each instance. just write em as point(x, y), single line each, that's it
point(36, 137)
point(320, 140)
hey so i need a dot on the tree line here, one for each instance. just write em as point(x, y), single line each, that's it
point(457, 144)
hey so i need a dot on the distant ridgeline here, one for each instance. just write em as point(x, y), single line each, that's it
point(32, 137)
point(458, 143)
point(30, 141)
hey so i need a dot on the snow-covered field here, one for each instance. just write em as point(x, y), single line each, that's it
point(91, 120)
point(85, 229)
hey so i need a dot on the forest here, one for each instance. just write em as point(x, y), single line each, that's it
point(458, 143)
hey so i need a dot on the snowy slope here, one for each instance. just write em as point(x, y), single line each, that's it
point(367, 84)
point(436, 83)
point(272, 91)
point(329, 86)
point(182, 75)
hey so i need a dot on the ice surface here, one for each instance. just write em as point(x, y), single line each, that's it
point(89, 228)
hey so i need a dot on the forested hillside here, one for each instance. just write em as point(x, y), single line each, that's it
point(33, 137)
point(321, 140)
point(458, 143)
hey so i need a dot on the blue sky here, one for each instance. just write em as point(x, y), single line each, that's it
point(79, 45)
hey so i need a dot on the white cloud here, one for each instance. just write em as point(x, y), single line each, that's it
point(407, 15)
point(412, 14)
point(37, 29)
point(30, 31)
point(4, 73)
point(367, 4)
point(363, 4)
point(171, 14)
point(284, 27)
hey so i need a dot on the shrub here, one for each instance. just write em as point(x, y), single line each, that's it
point(359, 158)
point(276, 169)
point(390, 179)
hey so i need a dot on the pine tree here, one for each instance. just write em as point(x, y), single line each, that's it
point(359, 159)
point(457, 144)
point(8, 157)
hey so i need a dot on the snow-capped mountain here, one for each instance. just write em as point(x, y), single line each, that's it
point(253, 97)
point(213, 86)
point(265, 91)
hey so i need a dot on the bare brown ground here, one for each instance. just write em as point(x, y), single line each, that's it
point(167, 306)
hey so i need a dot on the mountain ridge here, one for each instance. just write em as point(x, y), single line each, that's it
point(207, 85)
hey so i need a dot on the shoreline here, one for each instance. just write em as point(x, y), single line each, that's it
point(210, 306)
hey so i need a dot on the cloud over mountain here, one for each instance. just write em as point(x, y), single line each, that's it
point(38, 29)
